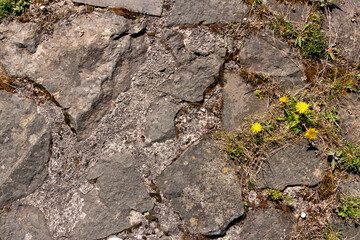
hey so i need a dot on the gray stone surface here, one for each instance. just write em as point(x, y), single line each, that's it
point(152, 7)
point(296, 13)
point(343, 28)
point(119, 194)
point(175, 44)
point(23, 223)
point(349, 113)
point(190, 80)
point(203, 188)
point(292, 165)
point(160, 122)
point(240, 102)
point(350, 230)
point(350, 187)
point(24, 147)
point(83, 76)
point(267, 224)
point(210, 11)
point(263, 54)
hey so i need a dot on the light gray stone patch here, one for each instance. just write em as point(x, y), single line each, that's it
point(267, 224)
point(119, 192)
point(24, 147)
point(203, 188)
point(160, 122)
point(190, 81)
point(151, 7)
point(296, 164)
point(264, 54)
point(213, 11)
point(343, 27)
point(240, 102)
point(25, 223)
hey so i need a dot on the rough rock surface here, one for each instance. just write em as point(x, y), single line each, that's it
point(203, 188)
point(240, 102)
point(24, 147)
point(113, 205)
point(263, 54)
point(267, 224)
point(296, 164)
point(295, 13)
point(24, 222)
point(213, 11)
point(160, 122)
point(350, 118)
point(351, 187)
point(85, 75)
point(343, 27)
point(152, 7)
point(190, 81)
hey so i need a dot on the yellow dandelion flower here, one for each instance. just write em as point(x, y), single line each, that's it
point(311, 133)
point(256, 128)
point(302, 107)
point(283, 100)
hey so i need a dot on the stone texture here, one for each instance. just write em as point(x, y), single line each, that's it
point(119, 194)
point(190, 80)
point(23, 223)
point(175, 44)
point(296, 164)
point(350, 187)
point(263, 54)
point(240, 102)
point(349, 113)
point(350, 230)
point(160, 123)
point(203, 188)
point(295, 13)
point(152, 7)
point(24, 147)
point(267, 224)
point(343, 27)
point(82, 76)
point(209, 11)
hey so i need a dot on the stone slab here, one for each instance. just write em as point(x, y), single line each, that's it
point(209, 11)
point(293, 165)
point(264, 54)
point(240, 102)
point(25, 223)
point(191, 80)
point(203, 188)
point(119, 194)
point(152, 7)
point(24, 147)
point(349, 113)
point(267, 224)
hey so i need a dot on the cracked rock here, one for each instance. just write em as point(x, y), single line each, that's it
point(190, 81)
point(293, 165)
point(203, 188)
point(24, 222)
point(24, 147)
point(119, 193)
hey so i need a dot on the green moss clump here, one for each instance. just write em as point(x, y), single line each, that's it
point(13, 7)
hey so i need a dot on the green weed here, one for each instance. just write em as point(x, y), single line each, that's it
point(13, 7)
point(332, 233)
point(349, 208)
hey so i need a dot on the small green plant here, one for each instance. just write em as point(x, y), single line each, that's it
point(332, 233)
point(13, 7)
point(349, 209)
point(310, 40)
point(277, 196)
point(347, 158)
point(323, 3)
